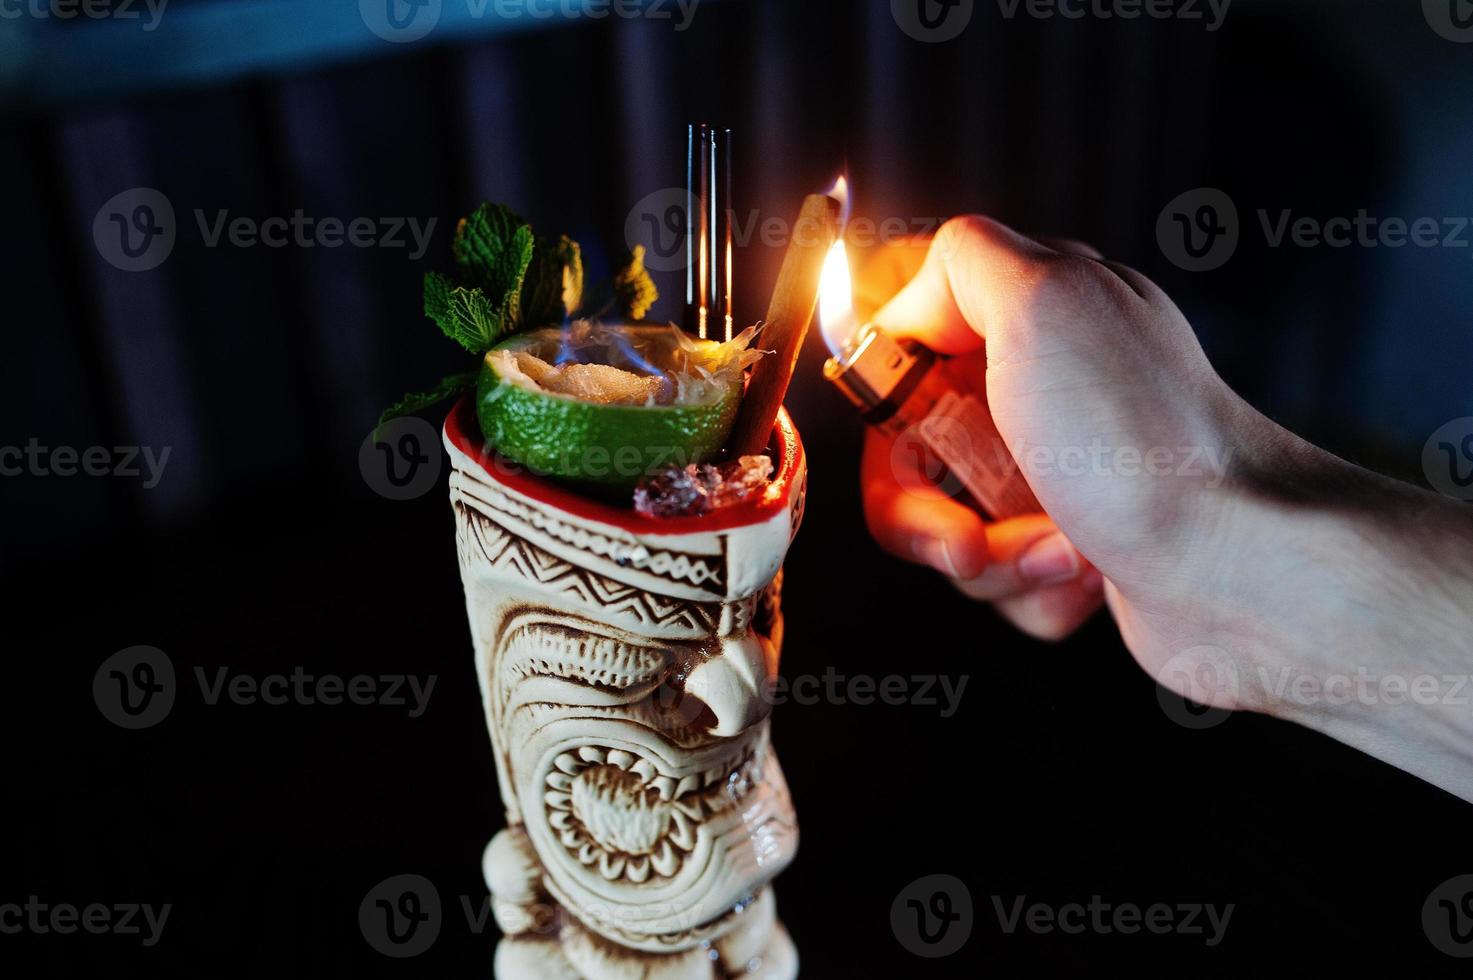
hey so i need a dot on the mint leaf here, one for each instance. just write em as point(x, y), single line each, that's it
point(634, 290)
point(553, 289)
point(493, 249)
point(419, 400)
point(466, 316)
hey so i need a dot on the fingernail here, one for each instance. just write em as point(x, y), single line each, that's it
point(937, 554)
point(1050, 560)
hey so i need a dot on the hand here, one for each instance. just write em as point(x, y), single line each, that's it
point(1048, 326)
point(1245, 567)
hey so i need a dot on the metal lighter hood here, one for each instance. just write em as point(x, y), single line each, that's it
point(902, 388)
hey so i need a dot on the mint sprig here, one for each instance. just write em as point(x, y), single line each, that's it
point(508, 280)
point(419, 400)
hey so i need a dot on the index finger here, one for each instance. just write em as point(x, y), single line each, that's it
point(977, 274)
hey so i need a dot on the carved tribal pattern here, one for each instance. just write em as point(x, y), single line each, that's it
point(503, 550)
point(705, 572)
point(800, 504)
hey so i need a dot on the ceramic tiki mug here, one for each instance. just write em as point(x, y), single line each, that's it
point(624, 665)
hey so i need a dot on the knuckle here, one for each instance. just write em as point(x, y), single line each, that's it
point(962, 233)
point(1068, 275)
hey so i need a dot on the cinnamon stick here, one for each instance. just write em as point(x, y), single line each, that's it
point(788, 316)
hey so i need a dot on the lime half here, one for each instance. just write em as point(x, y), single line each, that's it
point(608, 405)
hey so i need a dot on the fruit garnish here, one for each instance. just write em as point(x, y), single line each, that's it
point(608, 405)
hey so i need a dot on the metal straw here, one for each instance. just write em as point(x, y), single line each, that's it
point(708, 251)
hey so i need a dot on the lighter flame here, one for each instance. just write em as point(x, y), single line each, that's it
point(840, 193)
point(836, 299)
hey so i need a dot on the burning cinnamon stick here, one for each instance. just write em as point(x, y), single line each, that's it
point(788, 317)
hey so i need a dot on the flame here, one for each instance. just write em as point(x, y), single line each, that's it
point(836, 299)
point(840, 192)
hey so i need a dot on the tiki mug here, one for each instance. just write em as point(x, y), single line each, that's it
point(625, 666)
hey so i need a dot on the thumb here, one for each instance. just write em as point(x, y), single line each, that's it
point(977, 273)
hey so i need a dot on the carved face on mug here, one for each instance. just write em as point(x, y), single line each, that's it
point(625, 678)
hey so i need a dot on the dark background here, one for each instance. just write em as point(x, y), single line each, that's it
point(263, 548)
